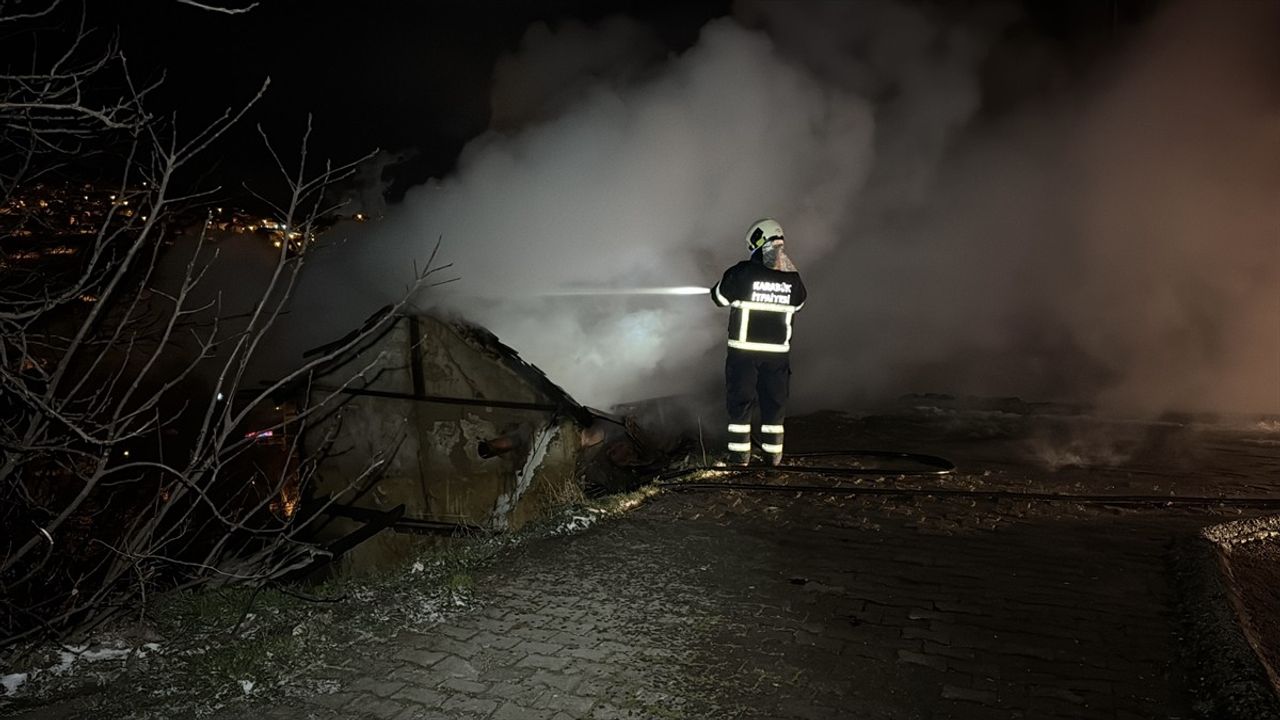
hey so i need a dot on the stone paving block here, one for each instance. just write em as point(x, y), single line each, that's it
point(572, 639)
point(508, 673)
point(567, 613)
point(593, 687)
point(381, 688)
point(930, 647)
point(883, 634)
point(576, 705)
point(959, 608)
point(411, 639)
point(464, 706)
point(1056, 692)
point(420, 657)
point(464, 686)
point(616, 646)
point(937, 637)
point(377, 707)
point(558, 681)
point(870, 651)
point(490, 658)
point(593, 654)
point(419, 695)
point(983, 697)
point(417, 713)
point(545, 662)
point(497, 626)
point(539, 648)
point(455, 667)
point(527, 619)
point(457, 632)
point(979, 669)
point(452, 647)
point(512, 711)
point(486, 639)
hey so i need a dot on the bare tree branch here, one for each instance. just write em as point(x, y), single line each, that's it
point(218, 8)
point(124, 389)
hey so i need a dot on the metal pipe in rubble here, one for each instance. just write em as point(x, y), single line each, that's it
point(933, 465)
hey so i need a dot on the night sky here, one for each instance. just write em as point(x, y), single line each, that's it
point(397, 75)
point(391, 75)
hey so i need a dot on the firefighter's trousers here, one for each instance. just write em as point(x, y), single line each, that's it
point(753, 378)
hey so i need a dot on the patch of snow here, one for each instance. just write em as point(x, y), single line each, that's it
point(577, 523)
point(1238, 532)
point(430, 610)
point(12, 682)
point(74, 657)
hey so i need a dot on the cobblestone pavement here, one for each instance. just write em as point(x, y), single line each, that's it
point(780, 605)
point(724, 605)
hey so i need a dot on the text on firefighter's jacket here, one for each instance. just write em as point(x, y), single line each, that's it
point(771, 292)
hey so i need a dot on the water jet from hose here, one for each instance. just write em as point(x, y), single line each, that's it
point(674, 290)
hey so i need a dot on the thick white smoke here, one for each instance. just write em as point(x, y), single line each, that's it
point(651, 183)
point(1119, 245)
point(1177, 239)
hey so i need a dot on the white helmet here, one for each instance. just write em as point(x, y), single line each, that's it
point(762, 232)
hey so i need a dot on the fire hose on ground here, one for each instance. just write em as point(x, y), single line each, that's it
point(929, 466)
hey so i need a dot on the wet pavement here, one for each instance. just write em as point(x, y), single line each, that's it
point(728, 604)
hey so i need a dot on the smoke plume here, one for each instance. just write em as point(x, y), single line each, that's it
point(1109, 235)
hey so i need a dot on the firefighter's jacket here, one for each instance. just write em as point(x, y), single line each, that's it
point(762, 301)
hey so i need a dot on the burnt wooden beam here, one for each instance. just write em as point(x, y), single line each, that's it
point(475, 402)
point(402, 524)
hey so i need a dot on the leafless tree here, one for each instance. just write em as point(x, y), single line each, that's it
point(124, 400)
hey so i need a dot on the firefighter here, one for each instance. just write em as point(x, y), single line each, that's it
point(762, 294)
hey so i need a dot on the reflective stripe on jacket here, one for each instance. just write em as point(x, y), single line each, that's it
point(762, 301)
